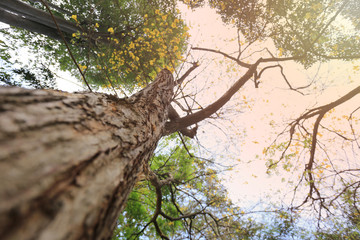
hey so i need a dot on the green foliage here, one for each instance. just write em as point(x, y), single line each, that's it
point(178, 198)
point(310, 30)
point(347, 226)
point(29, 76)
point(121, 43)
point(196, 189)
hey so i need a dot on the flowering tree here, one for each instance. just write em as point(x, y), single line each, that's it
point(121, 44)
point(78, 156)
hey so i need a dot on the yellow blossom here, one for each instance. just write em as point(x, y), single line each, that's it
point(111, 30)
point(96, 25)
point(82, 67)
point(132, 55)
point(74, 17)
point(281, 52)
point(131, 46)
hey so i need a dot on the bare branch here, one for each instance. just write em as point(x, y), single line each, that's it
point(67, 46)
point(194, 118)
point(241, 63)
point(183, 77)
point(325, 108)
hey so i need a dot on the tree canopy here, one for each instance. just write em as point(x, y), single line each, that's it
point(124, 44)
point(116, 43)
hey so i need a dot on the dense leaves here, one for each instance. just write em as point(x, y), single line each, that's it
point(25, 78)
point(121, 43)
point(307, 29)
point(195, 204)
point(39, 78)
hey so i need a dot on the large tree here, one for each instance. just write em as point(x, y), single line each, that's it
point(71, 160)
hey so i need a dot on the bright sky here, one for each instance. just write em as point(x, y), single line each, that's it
point(246, 133)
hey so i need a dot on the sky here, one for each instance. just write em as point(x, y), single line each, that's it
point(248, 181)
point(267, 110)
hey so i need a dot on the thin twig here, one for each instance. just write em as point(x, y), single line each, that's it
point(67, 46)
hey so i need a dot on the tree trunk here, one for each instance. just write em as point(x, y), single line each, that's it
point(20, 22)
point(69, 161)
point(22, 15)
point(23, 10)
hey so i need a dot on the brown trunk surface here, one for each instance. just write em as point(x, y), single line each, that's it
point(69, 161)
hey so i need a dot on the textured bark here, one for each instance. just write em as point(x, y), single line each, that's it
point(19, 14)
point(69, 161)
point(20, 22)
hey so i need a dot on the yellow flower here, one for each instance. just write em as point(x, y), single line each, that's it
point(132, 55)
point(281, 52)
point(131, 46)
point(164, 18)
point(111, 30)
point(176, 40)
point(173, 25)
point(74, 17)
point(82, 67)
point(96, 25)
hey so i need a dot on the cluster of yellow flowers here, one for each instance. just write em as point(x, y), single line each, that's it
point(159, 39)
point(144, 51)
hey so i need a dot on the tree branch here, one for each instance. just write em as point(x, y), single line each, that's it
point(319, 112)
point(183, 77)
point(181, 123)
point(241, 63)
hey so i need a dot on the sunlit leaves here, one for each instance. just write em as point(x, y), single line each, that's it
point(159, 43)
point(196, 189)
point(313, 30)
point(121, 43)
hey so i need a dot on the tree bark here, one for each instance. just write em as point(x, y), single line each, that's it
point(20, 22)
point(69, 161)
point(35, 15)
